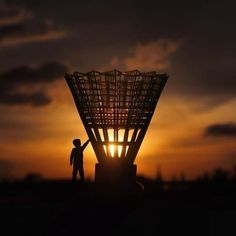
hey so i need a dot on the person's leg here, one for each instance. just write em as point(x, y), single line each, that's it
point(74, 174)
point(81, 172)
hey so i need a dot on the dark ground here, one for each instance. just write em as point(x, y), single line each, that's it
point(64, 208)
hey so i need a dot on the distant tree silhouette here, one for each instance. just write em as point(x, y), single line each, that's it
point(234, 173)
point(33, 177)
point(220, 175)
point(159, 178)
point(182, 178)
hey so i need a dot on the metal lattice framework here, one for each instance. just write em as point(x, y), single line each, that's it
point(116, 109)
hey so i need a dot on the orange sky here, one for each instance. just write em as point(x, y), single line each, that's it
point(175, 141)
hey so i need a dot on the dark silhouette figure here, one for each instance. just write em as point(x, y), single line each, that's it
point(76, 158)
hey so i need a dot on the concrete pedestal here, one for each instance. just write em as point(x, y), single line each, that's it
point(115, 172)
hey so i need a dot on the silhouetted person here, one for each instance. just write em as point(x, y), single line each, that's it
point(76, 158)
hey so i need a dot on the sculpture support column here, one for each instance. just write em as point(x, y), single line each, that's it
point(114, 173)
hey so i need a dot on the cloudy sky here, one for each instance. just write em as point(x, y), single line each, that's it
point(194, 127)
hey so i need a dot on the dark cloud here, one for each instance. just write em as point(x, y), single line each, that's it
point(25, 78)
point(201, 70)
point(218, 130)
point(12, 14)
point(18, 25)
point(35, 99)
point(47, 72)
point(204, 69)
point(10, 30)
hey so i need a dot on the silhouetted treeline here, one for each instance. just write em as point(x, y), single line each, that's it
point(218, 175)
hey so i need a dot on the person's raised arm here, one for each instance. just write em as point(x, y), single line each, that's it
point(85, 144)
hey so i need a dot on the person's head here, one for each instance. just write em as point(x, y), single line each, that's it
point(77, 142)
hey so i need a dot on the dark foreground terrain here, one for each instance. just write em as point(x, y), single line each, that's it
point(64, 208)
